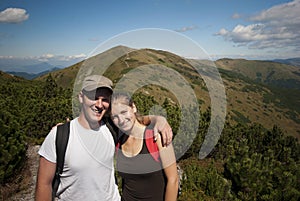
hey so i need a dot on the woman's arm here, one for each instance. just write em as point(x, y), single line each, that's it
point(168, 159)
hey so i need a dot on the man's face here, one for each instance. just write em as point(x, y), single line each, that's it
point(95, 104)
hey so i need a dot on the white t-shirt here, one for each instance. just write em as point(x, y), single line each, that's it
point(88, 172)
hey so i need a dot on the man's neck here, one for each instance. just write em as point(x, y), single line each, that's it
point(89, 125)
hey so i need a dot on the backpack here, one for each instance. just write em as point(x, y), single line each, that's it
point(61, 142)
point(150, 144)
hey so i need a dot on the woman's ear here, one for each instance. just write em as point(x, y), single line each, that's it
point(80, 97)
point(134, 108)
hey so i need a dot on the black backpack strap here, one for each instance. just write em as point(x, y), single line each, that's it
point(112, 128)
point(61, 142)
point(115, 134)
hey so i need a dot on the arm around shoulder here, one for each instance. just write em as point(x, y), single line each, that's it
point(160, 126)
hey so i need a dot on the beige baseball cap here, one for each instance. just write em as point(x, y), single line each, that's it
point(94, 82)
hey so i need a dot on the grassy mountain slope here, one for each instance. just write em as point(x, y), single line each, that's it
point(65, 77)
point(279, 104)
point(249, 101)
point(257, 91)
point(267, 72)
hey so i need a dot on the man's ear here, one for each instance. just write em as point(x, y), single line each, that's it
point(80, 97)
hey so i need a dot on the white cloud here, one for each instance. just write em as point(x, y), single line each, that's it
point(7, 63)
point(280, 15)
point(13, 15)
point(236, 16)
point(276, 27)
point(72, 57)
point(47, 56)
point(6, 57)
point(184, 29)
point(79, 56)
point(51, 57)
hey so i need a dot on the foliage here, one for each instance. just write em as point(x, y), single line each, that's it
point(256, 163)
point(203, 181)
point(249, 162)
point(262, 164)
point(28, 111)
point(12, 145)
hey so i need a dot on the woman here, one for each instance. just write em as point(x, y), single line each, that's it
point(144, 176)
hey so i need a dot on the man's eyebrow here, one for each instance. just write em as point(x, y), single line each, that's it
point(103, 96)
point(124, 110)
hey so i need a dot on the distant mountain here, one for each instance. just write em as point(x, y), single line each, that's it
point(31, 68)
point(263, 92)
point(30, 76)
point(11, 64)
point(291, 61)
point(37, 68)
point(36, 64)
point(66, 77)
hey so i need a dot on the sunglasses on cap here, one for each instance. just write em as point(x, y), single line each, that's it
point(94, 94)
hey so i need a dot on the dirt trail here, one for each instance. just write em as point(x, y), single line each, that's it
point(27, 194)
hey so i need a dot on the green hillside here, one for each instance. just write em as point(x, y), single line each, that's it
point(252, 89)
point(266, 72)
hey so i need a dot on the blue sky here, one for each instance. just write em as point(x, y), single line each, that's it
point(68, 30)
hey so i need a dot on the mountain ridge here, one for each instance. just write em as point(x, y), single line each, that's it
point(290, 61)
point(30, 76)
point(249, 100)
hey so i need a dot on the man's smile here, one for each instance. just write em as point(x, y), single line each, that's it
point(97, 110)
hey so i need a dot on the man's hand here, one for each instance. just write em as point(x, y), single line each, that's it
point(161, 126)
point(61, 123)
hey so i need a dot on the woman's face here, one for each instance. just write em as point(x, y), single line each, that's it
point(123, 116)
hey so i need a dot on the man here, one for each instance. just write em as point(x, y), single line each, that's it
point(89, 167)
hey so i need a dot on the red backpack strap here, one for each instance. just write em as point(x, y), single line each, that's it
point(151, 144)
point(117, 147)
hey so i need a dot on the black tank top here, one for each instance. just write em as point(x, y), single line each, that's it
point(143, 178)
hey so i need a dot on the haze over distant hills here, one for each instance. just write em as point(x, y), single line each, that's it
point(35, 65)
point(30, 68)
point(25, 66)
point(30, 76)
point(291, 61)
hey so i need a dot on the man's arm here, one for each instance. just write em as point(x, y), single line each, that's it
point(45, 176)
point(161, 126)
